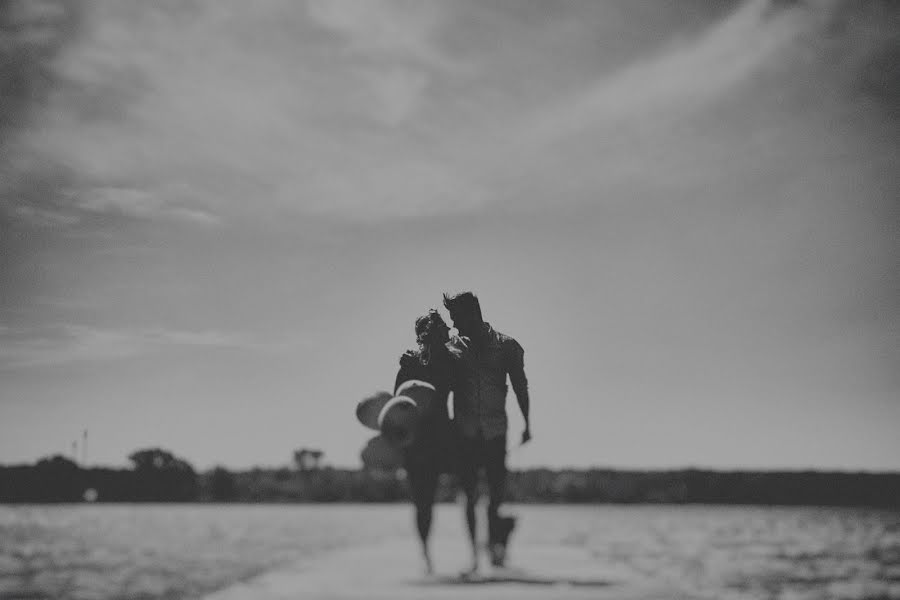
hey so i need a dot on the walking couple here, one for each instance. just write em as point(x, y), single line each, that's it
point(474, 366)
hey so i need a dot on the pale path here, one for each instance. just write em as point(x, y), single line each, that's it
point(391, 571)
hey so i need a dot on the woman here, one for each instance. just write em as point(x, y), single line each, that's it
point(432, 451)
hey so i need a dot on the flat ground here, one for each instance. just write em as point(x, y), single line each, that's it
point(392, 570)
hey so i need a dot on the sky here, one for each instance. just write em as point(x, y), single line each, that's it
point(219, 221)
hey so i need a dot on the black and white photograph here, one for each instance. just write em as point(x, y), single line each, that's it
point(439, 299)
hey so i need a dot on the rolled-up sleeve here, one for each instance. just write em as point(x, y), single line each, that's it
point(515, 366)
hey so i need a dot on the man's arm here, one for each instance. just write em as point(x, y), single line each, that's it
point(516, 368)
point(409, 361)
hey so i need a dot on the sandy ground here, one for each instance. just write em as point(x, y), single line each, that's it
point(392, 570)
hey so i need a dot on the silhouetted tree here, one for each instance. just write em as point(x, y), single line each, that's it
point(221, 484)
point(161, 476)
point(308, 459)
point(153, 459)
point(158, 475)
point(58, 479)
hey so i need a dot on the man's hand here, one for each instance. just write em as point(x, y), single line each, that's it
point(409, 359)
point(459, 348)
point(526, 436)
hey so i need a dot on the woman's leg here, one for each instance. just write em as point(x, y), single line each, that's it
point(424, 485)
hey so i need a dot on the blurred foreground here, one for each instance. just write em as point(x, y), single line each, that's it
point(182, 551)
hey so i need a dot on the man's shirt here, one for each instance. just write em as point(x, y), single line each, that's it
point(479, 390)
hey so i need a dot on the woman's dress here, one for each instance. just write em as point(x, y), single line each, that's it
point(433, 450)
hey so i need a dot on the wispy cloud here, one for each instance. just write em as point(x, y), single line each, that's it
point(378, 110)
point(400, 29)
point(45, 217)
point(397, 92)
point(141, 204)
point(732, 115)
point(391, 45)
point(686, 76)
point(64, 344)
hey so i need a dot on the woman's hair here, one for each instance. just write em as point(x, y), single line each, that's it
point(425, 327)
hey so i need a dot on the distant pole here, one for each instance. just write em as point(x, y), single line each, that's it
point(75, 451)
point(84, 447)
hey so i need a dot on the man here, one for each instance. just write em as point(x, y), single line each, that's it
point(487, 357)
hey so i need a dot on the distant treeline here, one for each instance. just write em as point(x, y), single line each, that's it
point(159, 476)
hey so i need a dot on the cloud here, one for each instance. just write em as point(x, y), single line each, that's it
point(396, 189)
point(190, 338)
point(390, 45)
point(760, 102)
point(400, 29)
point(678, 78)
point(365, 110)
point(141, 204)
point(64, 344)
point(44, 217)
point(133, 129)
point(397, 93)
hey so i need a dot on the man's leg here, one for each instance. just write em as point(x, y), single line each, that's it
point(469, 481)
point(498, 528)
